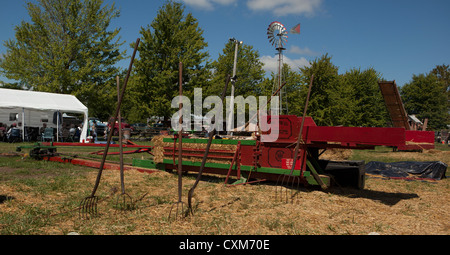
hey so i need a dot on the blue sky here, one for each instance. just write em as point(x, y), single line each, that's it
point(398, 38)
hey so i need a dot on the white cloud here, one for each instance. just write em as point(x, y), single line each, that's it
point(278, 7)
point(224, 2)
point(271, 63)
point(285, 7)
point(207, 4)
point(305, 51)
point(203, 4)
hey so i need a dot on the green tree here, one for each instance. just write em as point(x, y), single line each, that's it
point(442, 72)
point(295, 89)
point(249, 70)
point(358, 100)
point(66, 48)
point(171, 38)
point(14, 85)
point(249, 73)
point(343, 103)
point(424, 96)
point(350, 99)
point(324, 86)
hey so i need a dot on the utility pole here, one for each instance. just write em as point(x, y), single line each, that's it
point(233, 82)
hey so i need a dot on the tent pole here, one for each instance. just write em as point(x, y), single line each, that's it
point(57, 126)
point(23, 124)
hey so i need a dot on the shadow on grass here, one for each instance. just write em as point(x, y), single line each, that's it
point(387, 198)
point(4, 198)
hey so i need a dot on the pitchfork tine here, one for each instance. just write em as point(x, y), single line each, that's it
point(179, 213)
point(126, 203)
point(88, 207)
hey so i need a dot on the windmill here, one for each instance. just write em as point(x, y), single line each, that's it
point(277, 35)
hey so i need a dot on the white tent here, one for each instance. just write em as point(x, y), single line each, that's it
point(252, 127)
point(29, 104)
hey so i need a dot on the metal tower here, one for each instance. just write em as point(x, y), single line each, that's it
point(277, 35)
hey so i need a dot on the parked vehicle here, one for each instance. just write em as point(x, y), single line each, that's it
point(116, 126)
point(139, 128)
point(101, 128)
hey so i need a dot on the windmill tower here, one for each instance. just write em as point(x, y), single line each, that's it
point(277, 35)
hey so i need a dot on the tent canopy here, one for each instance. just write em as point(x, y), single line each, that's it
point(25, 99)
point(11, 98)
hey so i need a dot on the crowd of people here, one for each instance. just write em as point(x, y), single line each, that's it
point(14, 133)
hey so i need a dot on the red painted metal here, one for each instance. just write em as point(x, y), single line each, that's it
point(94, 145)
point(199, 155)
point(140, 150)
point(96, 164)
point(289, 127)
point(348, 137)
point(202, 150)
point(191, 152)
point(323, 137)
point(418, 140)
point(247, 152)
point(351, 137)
point(175, 137)
point(236, 159)
point(286, 163)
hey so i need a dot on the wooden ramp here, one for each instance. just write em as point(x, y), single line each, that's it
point(394, 104)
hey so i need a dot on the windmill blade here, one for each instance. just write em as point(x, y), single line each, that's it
point(277, 34)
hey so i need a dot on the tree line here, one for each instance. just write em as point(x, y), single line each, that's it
point(68, 47)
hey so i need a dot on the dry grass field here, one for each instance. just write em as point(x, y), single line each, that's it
point(41, 198)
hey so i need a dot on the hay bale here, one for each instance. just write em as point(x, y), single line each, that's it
point(158, 149)
point(159, 144)
point(337, 154)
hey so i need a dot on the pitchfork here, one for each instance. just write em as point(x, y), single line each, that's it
point(179, 204)
point(124, 201)
point(205, 156)
point(294, 181)
point(88, 206)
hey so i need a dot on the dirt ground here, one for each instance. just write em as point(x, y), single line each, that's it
point(386, 207)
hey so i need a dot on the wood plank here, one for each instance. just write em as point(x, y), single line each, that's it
point(394, 104)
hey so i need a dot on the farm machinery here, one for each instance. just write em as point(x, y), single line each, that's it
point(253, 159)
point(294, 153)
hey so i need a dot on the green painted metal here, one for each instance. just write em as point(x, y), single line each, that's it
point(150, 164)
point(314, 164)
point(325, 179)
point(147, 164)
point(321, 180)
point(240, 181)
point(243, 167)
point(307, 174)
